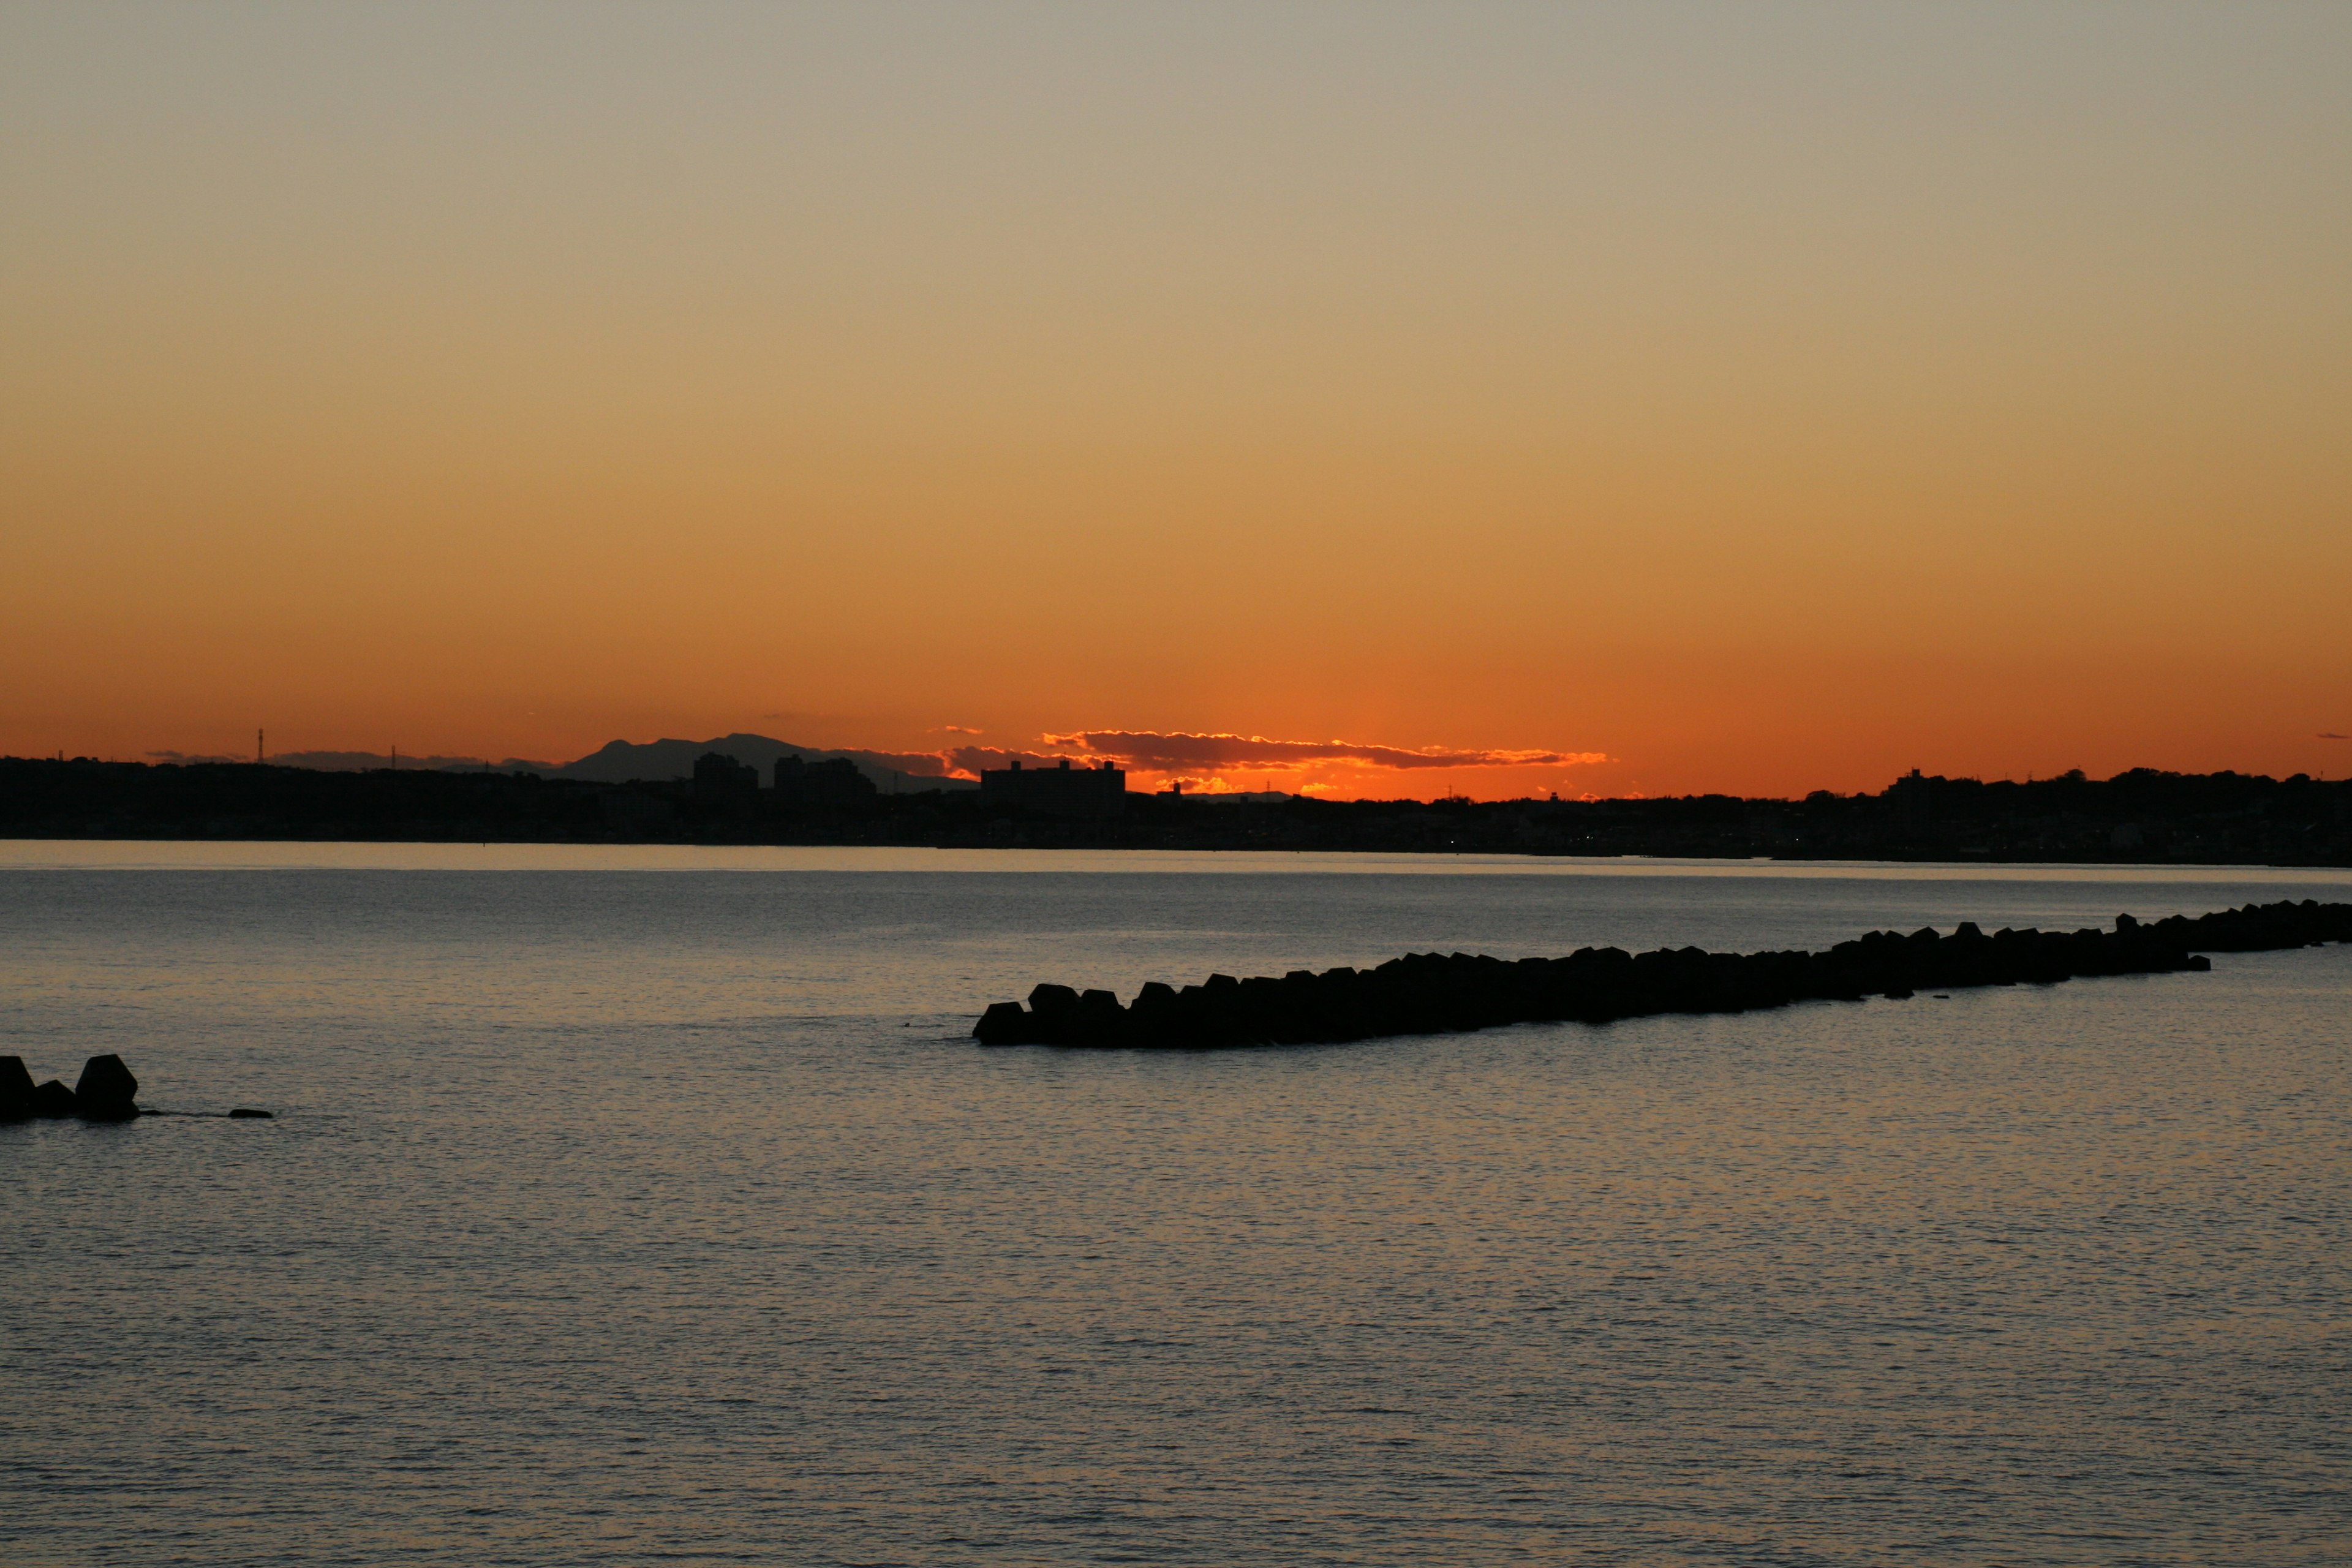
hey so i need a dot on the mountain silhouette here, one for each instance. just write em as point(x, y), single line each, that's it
point(621, 762)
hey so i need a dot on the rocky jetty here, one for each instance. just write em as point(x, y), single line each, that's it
point(106, 1091)
point(1429, 993)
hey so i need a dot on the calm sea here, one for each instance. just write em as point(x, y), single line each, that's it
point(647, 1206)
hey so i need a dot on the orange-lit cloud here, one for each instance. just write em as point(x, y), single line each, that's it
point(1149, 750)
point(1200, 763)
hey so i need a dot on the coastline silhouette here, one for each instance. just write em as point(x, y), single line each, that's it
point(718, 795)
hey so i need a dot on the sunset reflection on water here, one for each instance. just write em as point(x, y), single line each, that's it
point(615, 1215)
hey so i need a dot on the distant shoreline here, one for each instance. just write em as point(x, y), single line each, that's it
point(31, 855)
point(2137, 818)
point(1075, 850)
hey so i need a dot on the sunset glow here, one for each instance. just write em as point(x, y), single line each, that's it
point(1545, 399)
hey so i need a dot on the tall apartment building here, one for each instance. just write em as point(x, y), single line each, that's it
point(1060, 791)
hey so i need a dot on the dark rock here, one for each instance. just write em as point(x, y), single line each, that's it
point(243, 1114)
point(1156, 997)
point(1099, 1020)
point(1004, 1024)
point(107, 1091)
point(1046, 1001)
point(53, 1098)
point(15, 1089)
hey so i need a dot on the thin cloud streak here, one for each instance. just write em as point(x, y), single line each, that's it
point(1153, 751)
point(1220, 762)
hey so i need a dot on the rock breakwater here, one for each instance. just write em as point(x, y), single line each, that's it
point(106, 1091)
point(1431, 993)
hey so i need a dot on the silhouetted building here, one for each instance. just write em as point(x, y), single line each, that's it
point(834, 782)
point(720, 780)
point(1911, 800)
point(1062, 791)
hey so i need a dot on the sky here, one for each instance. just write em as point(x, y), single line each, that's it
point(1359, 399)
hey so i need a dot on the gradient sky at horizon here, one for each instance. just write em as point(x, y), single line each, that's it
point(1765, 398)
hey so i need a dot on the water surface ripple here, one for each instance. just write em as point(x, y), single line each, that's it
point(660, 1212)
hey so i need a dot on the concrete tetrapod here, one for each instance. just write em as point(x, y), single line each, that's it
point(106, 1091)
point(15, 1089)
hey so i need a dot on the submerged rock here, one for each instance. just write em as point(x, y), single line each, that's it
point(243, 1113)
point(53, 1098)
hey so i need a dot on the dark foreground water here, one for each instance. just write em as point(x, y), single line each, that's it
point(621, 1216)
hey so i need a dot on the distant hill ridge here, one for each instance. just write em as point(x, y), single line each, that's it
point(622, 762)
point(628, 762)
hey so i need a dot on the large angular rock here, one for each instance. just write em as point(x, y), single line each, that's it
point(1097, 1020)
point(1004, 1024)
point(15, 1089)
point(1052, 1001)
point(53, 1098)
point(107, 1091)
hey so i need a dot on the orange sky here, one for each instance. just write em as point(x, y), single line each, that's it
point(1761, 399)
